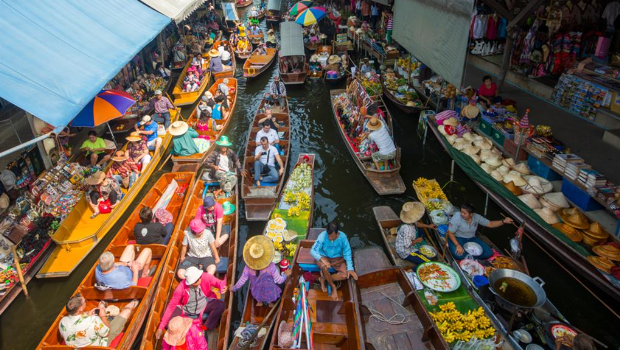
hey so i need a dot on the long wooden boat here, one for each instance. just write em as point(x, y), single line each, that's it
point(261, 13)
point(317, 74)
point(256, 39)
point(274, 12)
point(398, 103)
point(78, 234)
point(257, 64)
point(244, 55)
point(260, 201)
point(243, 3)
point(256, 315)
point(171, 188)
point(292, 47)
point(379, 280)
point(228, 73)
point(337, 79)
point(182, 98)
point(335, 324)
point(574, 260)
point(385, 182)
point(199, 158)
point(296, 78)
point(226, 268)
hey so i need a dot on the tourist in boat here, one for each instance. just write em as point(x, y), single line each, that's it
point(81, 329)
point(241, 30)
point(233, 38)
point(219, 112)
point(185, 140)
point(162, 71)
point(191, 82)
point(103, 193)
point(224, 165)
point(209, 39)
point(254, 30)
point(262, 49)
point(195, 299)
point(198, 62)
point(296, 64)
point(184, 334)
point(277, 92)
point(149, 128)
point(264, 276)
point(332, 250)
point(224, 90)
point(198, 249)
point(126, 272)
point(265, 157)
point(208, 99)
point(149, 231)
point(243, 46)
point(224, 56)
point(212, 215)
point(215, 65)
point(123, 169)
point(271, 135)
point(206, 123)
point(161, 106)
point(254, 16)
point(95, 149)
point(272, 41)
point(270, 119)
point(462, 230)
point(138, 150)
point(408, 239)
point(285, 66)
point(378, 134)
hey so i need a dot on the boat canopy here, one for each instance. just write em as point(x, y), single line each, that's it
point(177, 10)
point(230, 11)
point(291, 40)
point(57, 55)
point(274, 5)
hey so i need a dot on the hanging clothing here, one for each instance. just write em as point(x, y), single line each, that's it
point(501, 28)
point(492, 27)
point(612, 10)
point(480, 26)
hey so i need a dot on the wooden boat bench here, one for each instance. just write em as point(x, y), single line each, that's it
point(307, 262)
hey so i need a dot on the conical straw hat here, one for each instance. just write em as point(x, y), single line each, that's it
point(514, 177)
point(548, 215)
point(574, 218)
point(555, 201)
point(537, 185)
point(572, 233)
point(497, 175)
point(531, 201)
point(522, 168)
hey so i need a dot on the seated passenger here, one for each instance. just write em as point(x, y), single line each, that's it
point(138, 150)
point(185, 140)
point(95, 149)
point(103, 194)
point(126, 272)
point(123, 170)
point(212, 215)
point(149, 128)
point(148, 231)
point(265, 157)
point(198, 250)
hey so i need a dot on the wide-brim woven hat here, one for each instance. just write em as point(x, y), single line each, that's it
point(258, 252)
point(574, 218)
point(596, 231)
point(572, 233)
point(96, 178)
point(412, 212)
point(178, 128)
point(120, 156)
point(177, 330)
point(548, 215)
point(555, 201)
point(374, 124)
point(531, 201)
point(214, 53)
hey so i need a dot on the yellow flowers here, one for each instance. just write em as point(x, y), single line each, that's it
point(455, 325)
point(293, 211)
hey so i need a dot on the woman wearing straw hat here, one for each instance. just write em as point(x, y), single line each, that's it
point(183, 333)
point(272, 41)
point(185, 140)
point(123, 170)
point(379, 134)
point(215, 65)
point(262, 273)
point(103, 194)
point(224, 164)
point(138, 150)
point(408, 242)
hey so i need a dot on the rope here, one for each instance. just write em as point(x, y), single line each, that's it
point(396, 319)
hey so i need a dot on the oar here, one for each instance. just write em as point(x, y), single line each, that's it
point(249, 343)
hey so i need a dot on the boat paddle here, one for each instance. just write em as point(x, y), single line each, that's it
point(260, 326)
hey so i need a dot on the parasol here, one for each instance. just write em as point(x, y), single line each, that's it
point(299, 7)
point(107, 105)
point(311, 16)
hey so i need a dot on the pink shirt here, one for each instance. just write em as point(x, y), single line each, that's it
point(201, 212)
point(487, 92)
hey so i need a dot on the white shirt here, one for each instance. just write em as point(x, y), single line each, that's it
point(383, 140)
point(89, 331)
point(199, 247)
point(272, 151)
point(224, 163)
point(225, 55)
point(271, 136)
point(223, 88)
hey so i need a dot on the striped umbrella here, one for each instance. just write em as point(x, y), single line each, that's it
point(311, 15)
point(299, 7)
point(107, 105)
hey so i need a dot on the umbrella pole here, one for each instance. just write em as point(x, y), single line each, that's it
point(111, 133)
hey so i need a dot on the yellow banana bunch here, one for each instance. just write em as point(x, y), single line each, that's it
point(455, 325)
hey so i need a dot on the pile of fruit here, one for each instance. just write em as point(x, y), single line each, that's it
point(403, 62)
point(430, 190)
point(275, 230)
point(449, 91)
point(296, 193)
point(372, 85)
point(455, 325)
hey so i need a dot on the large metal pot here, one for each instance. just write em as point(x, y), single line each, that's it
point(535, 283)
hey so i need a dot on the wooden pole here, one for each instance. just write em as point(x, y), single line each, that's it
point(18, 268)
point(506, 58)
point(160, 46)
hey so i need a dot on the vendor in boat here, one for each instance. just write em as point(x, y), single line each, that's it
point(408, 239)
point(198, 62)
point(179, 56)
point(185, 140)
point(138, 150)
point(160, 106)
point(149, 129)
point(126, 272)
point(272, 41)
point(95, 149)
point(224, 56)
point(216, 66)
point(224, 164)
point(579, 342)
point(378, 133)
point(265, 157)
point(198, 249)
point(95, 328)
point(212, 215)
point(149, 231)
point(264, 276)
point(103, 193)
point(365, 68)
point(332, 250)
point(277, 92)
point(162, 71)
point(123, 169)
point(270, 134)
point(487, 92)
point(462, 230)
point(194, 298)
point(243, 45)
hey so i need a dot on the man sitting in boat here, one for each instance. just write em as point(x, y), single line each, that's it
point(260, 270)
point(408, 240)
point(199, 249)
point(462, 230)
point(224, 165)
point(160, 106)
point(138, 150)
point(123, 170)
point(271, 135)
point(81, 329)
point(194, 298)
point(332, 250)
point(255, 30)
point(95, 149)
point(378, 134)
point(272, 41)
point(148, 231)
point(103, 193)
point(216, 65)
point(224, 90)
point(212, 215)
point(277, 92)
point(270, 119)
point(149, 128)
point(185, 140)
point(265, 157)
point(224, 56)
point(124, 273)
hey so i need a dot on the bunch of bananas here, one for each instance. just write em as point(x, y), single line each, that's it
point(433, 205)
point(303, 201)
point(294, 211)
point(455, 325)
point(289, 197)
point(291, 247)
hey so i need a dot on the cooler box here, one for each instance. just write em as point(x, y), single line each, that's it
point(579, 197)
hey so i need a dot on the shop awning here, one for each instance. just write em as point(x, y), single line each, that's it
point(435, 31)
point(230, 11)
point(274, 5)
point(177, 10)
point(56, 56)
point(291, 40)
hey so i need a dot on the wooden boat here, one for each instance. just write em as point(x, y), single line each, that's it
point(574, 260)
point(226, 268)
point(319, 70)
point(256, 39)
point(78, 234)
point(182, 98)
point(390, 94)
point(261, 13)
point(227, 73)
point(231, 17)
point(274, 11)
point(335, 324)
point(385, 182)
point(260, 201)
point(243, 3)
point(258, 315)
point(292, 47)
point(257, 64)
point(171, 187)
point(379, 280)
point(244, 55)
point(198, 159)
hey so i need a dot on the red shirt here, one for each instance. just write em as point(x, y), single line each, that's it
point(201, 212)
point(487, 92)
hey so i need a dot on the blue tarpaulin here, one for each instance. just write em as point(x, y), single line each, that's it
point(230, 11)
point(55, 56)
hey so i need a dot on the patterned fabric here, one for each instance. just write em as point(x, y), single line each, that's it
point(199, 247)
point(406, 234)
point(136, 149)
point(84, 330)
point(163, 216)
point(123, 168)
point(249, 274)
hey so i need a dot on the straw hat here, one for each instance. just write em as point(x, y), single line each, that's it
point(133, 138)
point(596, 231)
point(451, 138)
point(574, 218)
point(178, 128)
point(554, 201)
point(475, 158)
point(514, 177)
point(470, 111)
point(374, 124)
point(607, 251)
point(5, 202)
point(334, 59)
point(412, 212)
point(486, 167)
point(96, 178)
point(471, 150)
point(494, 161)
point(214, 53)
point(537, 185)
point(572, 233)
point(486, 154)
point(522, 168)
point(548, 215)
point(468, 136)
point(601, 263)
point(484, 144)
point(530, 201)
point(451, 121)
point(460, 144)
point(509, 162)
point(120, 156)
point(177, 330)
point(497, 175)
point(258, 252)
point(504, 170)
point(513, 188)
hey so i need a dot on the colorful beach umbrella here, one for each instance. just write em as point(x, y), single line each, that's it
point(107, 105)
point(299, 7)
point(311, 15)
